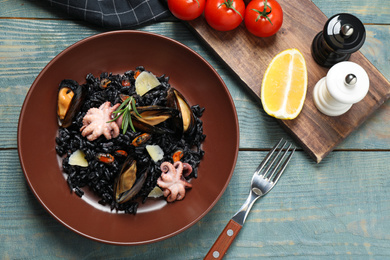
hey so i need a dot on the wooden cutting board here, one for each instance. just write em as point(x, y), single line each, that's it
point(248, 56)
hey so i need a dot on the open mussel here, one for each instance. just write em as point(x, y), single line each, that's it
point(70, 97)
point(130, 180)
point(184, 122)
point(151, 119)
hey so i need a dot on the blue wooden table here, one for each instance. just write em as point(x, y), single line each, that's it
point(338, 209)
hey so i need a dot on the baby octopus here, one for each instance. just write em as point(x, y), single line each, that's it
point(172, 182)
point(95, 122)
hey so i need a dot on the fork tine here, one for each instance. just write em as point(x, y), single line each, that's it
point(266, 159)
point(267, 171)
point(275, 178)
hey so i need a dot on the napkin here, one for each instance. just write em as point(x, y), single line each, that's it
point(116, 14)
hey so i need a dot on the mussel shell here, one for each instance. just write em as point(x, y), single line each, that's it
point(184, 122)
point(152, 119)
point(130, 180)
point(75, 104)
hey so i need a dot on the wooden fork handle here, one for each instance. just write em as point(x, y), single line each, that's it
point(224, 241)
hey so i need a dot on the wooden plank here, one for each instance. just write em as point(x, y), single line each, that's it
point(30, 9)
point(376, 11)
point(376, 48)
point(311, 213)
point(317, 134)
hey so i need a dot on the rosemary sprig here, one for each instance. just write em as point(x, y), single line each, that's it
point(125, 110)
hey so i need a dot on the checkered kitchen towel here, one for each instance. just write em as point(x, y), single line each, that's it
point(115, 13)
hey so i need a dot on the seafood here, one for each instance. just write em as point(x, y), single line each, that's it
point(126, 83)
point(130, 180)
point(70, 98)
point(123, 167)
point(152, 117)
point(105, 157)
point(172, 182)
point(96, 122)
point(184, 122)
point(121, 153)
point(177, 155)
point(187, 170)
point(141, 139)
point(104, 83)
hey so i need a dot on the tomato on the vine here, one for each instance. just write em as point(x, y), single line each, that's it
point(224, 15)
point(263, 18)
point(186, 9)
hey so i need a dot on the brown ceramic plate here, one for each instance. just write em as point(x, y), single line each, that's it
point(118, 52)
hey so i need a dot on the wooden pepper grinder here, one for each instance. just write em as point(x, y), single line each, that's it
point(343, 34)
point(345, 84)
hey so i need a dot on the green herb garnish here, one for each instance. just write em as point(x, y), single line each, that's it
point(125, 110)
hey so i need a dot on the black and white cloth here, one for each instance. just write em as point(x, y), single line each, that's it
point(116, 14)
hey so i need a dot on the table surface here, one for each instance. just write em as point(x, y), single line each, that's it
point(338, 209)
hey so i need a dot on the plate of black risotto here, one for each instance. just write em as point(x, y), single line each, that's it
point(128, 137)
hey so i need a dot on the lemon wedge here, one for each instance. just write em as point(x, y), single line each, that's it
point(284, 86)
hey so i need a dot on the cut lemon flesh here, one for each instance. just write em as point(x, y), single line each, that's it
point(284, 85)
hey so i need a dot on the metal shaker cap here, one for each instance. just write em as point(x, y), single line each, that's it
point(347, 82)
point(344, 33)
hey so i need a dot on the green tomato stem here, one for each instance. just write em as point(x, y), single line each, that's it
point(264, 13)
point(229, 5)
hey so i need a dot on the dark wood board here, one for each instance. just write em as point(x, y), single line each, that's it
point(248, 57)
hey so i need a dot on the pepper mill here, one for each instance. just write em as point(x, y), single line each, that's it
point(345, 84)
point(343, 34)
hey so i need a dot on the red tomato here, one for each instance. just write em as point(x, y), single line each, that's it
point(186, 9)
point(224, 15)
point(263, 22)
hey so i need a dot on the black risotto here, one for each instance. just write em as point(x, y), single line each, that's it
point(99, 176)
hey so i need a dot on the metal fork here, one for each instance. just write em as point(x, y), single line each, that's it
point(264, 179)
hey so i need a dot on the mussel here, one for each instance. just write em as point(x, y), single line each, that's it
point(130, 180)
point(141, 139)
point(152, 118)
point(184, 122)
point(177, 155)
point(105, 158)
point(70, 97)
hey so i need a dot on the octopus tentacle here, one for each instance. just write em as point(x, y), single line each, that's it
point(167, 167)
point(172, 181)
point(187, 169)
point(96, 122)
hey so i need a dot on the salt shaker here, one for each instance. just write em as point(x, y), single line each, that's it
point(343, 34)
point(345, 84)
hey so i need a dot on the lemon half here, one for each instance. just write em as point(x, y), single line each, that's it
point(284, 86)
